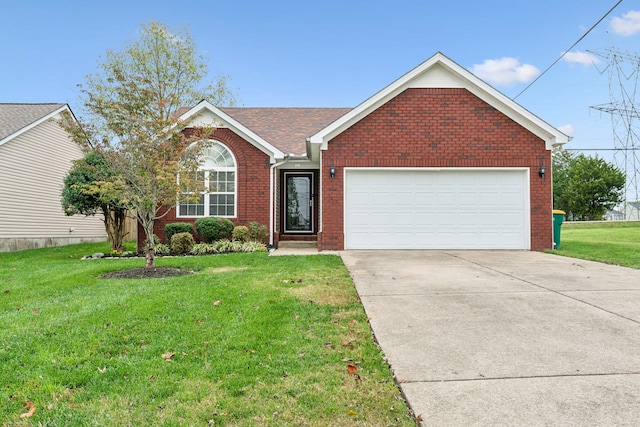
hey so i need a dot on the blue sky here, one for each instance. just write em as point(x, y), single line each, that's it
point(335, 53)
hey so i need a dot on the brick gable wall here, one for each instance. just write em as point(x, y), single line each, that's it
point(252, 180)
point(435, 127)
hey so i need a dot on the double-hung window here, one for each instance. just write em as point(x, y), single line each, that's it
point(218, 171)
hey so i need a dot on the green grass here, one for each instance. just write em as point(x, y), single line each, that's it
point(255, 340)
point(610, 242)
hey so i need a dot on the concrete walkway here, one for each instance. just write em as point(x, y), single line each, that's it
point(506, 337)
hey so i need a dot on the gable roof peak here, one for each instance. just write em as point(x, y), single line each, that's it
point(439, 71)
point(17, 118)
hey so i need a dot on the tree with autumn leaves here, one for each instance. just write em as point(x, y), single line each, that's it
point(130, 118)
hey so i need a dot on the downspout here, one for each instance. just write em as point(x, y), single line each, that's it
point(272, 220)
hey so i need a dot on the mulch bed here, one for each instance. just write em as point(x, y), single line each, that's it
point(146, 273)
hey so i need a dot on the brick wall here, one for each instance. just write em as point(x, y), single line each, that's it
point(435, 127)
point(253, 185)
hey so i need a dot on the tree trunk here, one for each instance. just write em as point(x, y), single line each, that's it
point(150, 244)
point(114, 222)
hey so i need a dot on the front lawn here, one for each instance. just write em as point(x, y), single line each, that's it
point(610, 242)
point(246, 340)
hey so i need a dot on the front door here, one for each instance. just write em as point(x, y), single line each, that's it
point(298, 202)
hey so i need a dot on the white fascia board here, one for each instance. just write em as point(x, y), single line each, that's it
point(459, 77)
point(551, 135)
point(224, 120)
point(52, 114)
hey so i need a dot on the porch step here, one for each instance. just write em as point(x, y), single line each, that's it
point(297, 244)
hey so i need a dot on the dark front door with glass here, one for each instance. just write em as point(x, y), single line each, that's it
point(298, 202)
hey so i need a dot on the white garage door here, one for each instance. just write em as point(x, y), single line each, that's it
point(436, 209)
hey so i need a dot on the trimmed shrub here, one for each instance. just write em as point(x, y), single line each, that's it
point(214, 228)
point(177, 227)
point(258, 232)
point(240, 234)
point(162, 249)
point(181, 243)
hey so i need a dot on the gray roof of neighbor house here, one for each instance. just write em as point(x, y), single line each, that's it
point(286, 128)
point(14, 117)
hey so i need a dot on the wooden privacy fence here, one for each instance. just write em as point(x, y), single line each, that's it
point(131, 227)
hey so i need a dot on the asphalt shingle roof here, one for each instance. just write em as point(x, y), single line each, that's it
point(14, 117)
point(286, 128)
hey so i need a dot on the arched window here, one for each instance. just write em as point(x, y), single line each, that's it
point(218, 170)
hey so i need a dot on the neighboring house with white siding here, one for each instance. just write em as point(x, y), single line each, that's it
point(35, 155)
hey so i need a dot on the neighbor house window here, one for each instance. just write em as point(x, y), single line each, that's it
point(218, 171)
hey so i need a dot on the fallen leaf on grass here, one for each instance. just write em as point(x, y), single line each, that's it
point(296, 317)
point(418, 420)
point(31, 410)
point(216, 303)
point(352, 413)
point(352, 368)
point(168, 356)
point(35, 312)
point(302, 354)
point(328, 344)
point(347, 359)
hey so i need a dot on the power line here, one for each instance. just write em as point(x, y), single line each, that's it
point(566, 51)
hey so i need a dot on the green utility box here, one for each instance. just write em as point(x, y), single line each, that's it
point(558, 218)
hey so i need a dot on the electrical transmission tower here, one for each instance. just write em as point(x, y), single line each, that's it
point(624, 73)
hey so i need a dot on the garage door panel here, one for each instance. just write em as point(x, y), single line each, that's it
point(436, 209)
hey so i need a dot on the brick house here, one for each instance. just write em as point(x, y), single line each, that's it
point(438, 159)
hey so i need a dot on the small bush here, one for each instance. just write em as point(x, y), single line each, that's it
point(253, 247)
point(214, 228)
point(240, 234)
point(162, 249)
point(181, 243)
point(177, 227)
point(227, 246)
point(258, 232)
point(204, 249)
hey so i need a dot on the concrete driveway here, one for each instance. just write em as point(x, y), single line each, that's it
point(506, 337)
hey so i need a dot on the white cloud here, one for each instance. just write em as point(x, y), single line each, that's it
point(505, 71)
point(567, 130)
point(583, 58)
point(628, 25)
